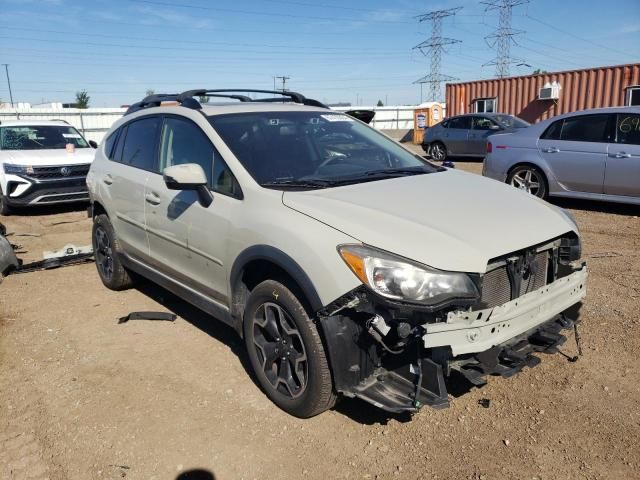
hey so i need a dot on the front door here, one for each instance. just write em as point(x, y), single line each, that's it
point(622, 176)
point(186, 239)
point(576, 150)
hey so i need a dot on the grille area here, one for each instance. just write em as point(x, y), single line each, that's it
point(50, 173)
point(496, 285)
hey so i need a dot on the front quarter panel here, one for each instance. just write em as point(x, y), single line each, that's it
point(308, 242)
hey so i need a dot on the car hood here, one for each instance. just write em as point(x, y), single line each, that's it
point(449, 220)
point(58, 156)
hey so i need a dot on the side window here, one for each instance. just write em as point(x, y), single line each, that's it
point(553, 131)
point(184, 142)
point(445, 124)
point(628, 128)
point(482, 123)
point(139, 148)
point(110, 143)
point(460, 122)
point(586, 128)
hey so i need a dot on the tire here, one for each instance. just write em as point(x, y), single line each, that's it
point(106, 249)
point(530, 179)
point(438, 151)
point(286, 351)
point(5, 208)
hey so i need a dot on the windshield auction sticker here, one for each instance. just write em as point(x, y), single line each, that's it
point(337, 118)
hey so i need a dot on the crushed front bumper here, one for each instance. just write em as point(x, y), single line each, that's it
point(472, 332)
point(495, 341)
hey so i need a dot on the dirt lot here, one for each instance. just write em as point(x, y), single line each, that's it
point(82, 397)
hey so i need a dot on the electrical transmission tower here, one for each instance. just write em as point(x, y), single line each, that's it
point(434, 47)
point(502, 38)
point(284, 79)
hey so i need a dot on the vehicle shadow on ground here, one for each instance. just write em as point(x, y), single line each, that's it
point(210, 325)
point(355, 409)
point(595, 206)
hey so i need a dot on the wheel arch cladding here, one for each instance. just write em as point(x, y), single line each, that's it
point(263, 262)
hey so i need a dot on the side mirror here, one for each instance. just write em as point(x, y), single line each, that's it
point(93, 144)
point(188, 176)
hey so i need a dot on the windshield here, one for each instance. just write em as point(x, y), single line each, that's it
point(313, 149)
point(509, 121)
point(40, 137)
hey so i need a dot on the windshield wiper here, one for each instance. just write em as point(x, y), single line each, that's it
point(299, 183)
point(396, 172)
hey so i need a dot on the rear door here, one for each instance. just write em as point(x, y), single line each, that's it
point(575, 148)
point(133, 160)
point(481, 128)
point(622, 175)
point(457, 134)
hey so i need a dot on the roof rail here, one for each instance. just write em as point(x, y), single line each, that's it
point(186, 99)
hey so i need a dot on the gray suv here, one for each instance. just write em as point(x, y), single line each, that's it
point(299, 227)
point(466, 135)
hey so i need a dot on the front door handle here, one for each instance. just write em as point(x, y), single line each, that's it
point(152, 198)
point(551, 150)
point(108, 179)
point(620, 155)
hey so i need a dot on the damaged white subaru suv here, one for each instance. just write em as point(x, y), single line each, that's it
point(348, 264)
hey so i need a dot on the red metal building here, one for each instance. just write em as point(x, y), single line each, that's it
point(527, 97)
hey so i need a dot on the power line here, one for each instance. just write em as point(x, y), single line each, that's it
point(502, 38)
point(251, 12)
point(434, 47)
point(541, 22)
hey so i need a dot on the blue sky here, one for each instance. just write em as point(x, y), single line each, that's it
point(357, 51)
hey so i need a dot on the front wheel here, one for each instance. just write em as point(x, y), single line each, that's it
point(530, 179)
point(438, 151)
point(286, 351)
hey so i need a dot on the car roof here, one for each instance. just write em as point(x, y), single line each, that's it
point(252, 107)
point(35, 123)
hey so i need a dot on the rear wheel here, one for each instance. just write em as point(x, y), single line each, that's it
point(530, 179)
point(438, 151)
point(286, 351)
point(106, 249)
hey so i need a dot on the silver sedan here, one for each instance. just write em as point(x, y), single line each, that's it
point(591, 154)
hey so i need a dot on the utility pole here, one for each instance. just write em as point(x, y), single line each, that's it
point(434, 47)
point(6, 69)
point(284, 79)
point(502, 37)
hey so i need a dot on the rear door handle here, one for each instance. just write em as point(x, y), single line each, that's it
point(152, 198)
point(108, 179)
point(551, 150)
point(620, 155)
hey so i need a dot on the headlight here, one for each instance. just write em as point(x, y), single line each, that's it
point(18, 169)
point(400, 279)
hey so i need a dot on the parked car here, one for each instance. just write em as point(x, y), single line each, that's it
point(299, 227)
point(42, 163)
point(466, 135)
point(591, 154)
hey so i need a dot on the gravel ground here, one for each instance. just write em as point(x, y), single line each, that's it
point(82, 397)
